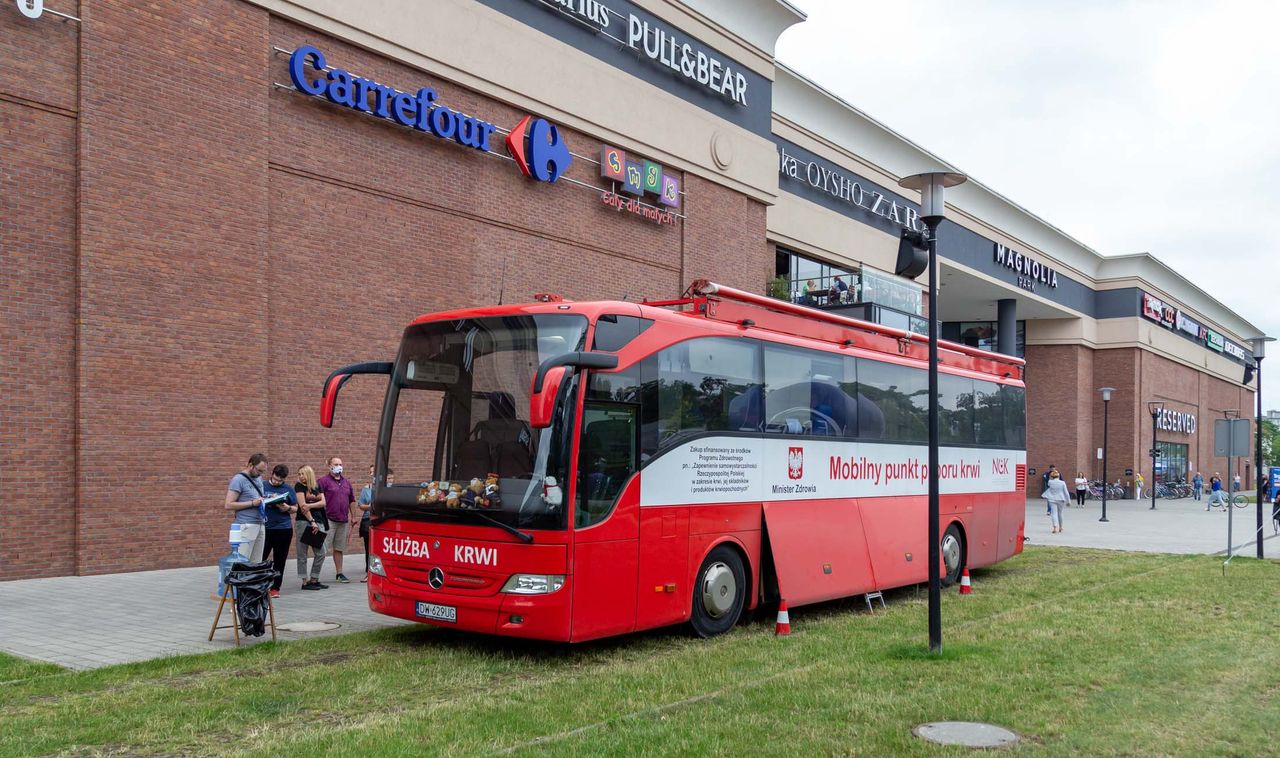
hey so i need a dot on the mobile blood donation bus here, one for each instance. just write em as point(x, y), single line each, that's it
point(572, 470)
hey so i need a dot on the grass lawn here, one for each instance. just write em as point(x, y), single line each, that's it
point(1079, 651)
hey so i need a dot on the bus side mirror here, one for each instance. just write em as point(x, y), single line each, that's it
point(542, 403)
point(549, 377)
point(329, 396)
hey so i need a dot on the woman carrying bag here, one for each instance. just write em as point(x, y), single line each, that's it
point(310, 528)
point(1058, 497)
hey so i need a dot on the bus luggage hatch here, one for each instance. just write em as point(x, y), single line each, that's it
point(819, 550)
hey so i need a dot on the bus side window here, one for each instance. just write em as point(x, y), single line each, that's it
point(607, 457)
point(613, 332)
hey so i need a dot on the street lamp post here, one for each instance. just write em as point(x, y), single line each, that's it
point(1259, 352)
point(931, 186)
point(1156, 407)
point(1106, 398)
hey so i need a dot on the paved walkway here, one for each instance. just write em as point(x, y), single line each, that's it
point(84, 622)
point(1176, 526)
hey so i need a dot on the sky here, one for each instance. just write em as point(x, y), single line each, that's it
point(1132, 125)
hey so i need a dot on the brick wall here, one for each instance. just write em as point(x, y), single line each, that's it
point(38, 111)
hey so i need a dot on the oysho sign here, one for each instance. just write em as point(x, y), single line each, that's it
point(847, 189)
point(1030, 272)
point(1176, 421)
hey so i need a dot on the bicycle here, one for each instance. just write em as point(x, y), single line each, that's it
point(1236, 499)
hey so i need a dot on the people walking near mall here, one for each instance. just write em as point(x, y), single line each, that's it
point(1197, 485)
point(312, 519)
point(279, 524)
point(244, 496)
point(338, 499)
point(1044, 485)
point(1215, 491)
point(1138, 484)
point(1056, 494)
point(1082, 488)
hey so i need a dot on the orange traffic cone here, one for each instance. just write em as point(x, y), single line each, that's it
point(965, 587)
point(783, 627)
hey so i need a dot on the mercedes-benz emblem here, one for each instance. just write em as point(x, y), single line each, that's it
point(435, 578)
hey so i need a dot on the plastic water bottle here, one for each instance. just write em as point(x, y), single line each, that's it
point(227, 561)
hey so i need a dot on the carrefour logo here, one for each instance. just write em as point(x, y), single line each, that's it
point(538, 149)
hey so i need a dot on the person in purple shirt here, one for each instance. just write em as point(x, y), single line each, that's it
point(338, 497)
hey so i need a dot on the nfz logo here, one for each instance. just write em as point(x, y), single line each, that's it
point(1000, 465)
point(795, 462)
point(539, 150)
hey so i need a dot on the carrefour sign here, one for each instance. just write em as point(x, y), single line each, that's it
point(418, 110)
point(534, 143)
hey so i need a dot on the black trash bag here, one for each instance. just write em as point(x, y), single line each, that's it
point(252, 581)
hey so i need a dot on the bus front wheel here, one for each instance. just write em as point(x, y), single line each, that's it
point(719, 594)
point(953, 557)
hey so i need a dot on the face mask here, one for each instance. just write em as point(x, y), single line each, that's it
point(335, 470)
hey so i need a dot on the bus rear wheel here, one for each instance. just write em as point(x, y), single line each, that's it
point(953, 555)
point(719, 593)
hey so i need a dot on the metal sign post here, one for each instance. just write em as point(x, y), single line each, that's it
point(1230, 438)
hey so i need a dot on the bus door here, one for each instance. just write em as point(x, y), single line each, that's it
point(605, 516)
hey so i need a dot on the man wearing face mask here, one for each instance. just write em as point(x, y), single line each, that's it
point(245, 494)
point(338, 497)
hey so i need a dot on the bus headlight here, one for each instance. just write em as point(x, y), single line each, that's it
point(533, 584)
point(375, 565)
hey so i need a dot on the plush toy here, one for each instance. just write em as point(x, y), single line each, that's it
point(453, 496)
point(430, 493)
point(473, 494)
point(491, 497)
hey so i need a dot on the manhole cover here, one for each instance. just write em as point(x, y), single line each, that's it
point(308, 626)
point(966, 734)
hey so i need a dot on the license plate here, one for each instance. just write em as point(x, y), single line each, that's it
point(438, 612)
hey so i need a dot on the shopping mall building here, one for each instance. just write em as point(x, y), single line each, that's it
point(210, 204)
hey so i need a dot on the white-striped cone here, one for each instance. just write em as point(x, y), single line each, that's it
point(965, 587)
point(783, 627)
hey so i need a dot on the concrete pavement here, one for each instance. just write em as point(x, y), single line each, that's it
point(1176, 526)
point(84, 622)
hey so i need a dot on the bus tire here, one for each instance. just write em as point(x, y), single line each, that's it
point(719, 593)
point(954, 557)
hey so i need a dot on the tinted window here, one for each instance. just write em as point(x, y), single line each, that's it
point(1015, 416)
point(699, 386)
point(607, 457)
point(988, 414)
point(900, 398)
point(955, 410)
point(613, 332)
point(809, 392)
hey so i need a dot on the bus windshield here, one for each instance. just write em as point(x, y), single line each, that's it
point(456, 430)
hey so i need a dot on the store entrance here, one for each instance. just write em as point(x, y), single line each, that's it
point(1171, 466)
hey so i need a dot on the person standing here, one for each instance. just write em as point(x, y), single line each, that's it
point(1197, 485)
point(1056, 495)
point(279, 524)
point(1082, 488)
point(1138, 484)
point(338, 498)
point(244, 496)
point(1235, 483)
point(1044, 487)
point(311, 519)
point(365, 504)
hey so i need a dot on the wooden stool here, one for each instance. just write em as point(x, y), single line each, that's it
point(228, 595)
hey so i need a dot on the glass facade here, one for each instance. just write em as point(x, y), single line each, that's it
point(809, 281)
point(1171, 466)
point(982, 335)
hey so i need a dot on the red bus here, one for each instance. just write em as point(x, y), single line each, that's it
point(572, 470)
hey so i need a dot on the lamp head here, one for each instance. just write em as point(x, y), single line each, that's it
point(931, 185)
point(1155, 407)
point(1260, 346)
point(1106, 393)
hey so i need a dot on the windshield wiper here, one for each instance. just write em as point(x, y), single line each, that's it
point(523, 536)
point(424, 514)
